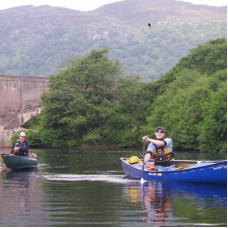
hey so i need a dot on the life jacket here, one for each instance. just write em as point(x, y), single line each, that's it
point(21, 145)
point(161, 154)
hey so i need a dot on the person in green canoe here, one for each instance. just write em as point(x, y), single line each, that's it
point(160, 149)
point(21, 147)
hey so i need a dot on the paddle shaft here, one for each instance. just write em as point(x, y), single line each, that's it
point(144, 147)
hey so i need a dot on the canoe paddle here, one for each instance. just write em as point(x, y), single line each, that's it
point(144, 146)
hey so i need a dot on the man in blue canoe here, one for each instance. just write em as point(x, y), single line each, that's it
point(160, 149)
point(21, 147)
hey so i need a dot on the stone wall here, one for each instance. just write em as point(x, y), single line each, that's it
point(5, 137)
point(19, 101)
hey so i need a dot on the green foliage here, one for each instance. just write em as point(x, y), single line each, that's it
point(33, 138)
point(191, 101)
point(213, 127)
point(207, 58)
point(89, 102)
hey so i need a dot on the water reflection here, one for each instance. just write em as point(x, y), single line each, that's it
point(15, 184)
point(165, 202)
point(20, 198)
point(156, 201)
point(88, 188)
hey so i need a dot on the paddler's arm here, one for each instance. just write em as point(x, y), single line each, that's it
point(150, 151)
point(154, 141)
point(147, 158)
point(15, 148)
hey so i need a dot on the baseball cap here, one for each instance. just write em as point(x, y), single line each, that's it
point(160, 128)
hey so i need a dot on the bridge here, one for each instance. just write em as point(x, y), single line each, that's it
point(19, 102)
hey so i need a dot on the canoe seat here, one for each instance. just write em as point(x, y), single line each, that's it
point(180, 167)
point(200, 165)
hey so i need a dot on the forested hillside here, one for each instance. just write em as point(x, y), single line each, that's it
point(90, 103)
point(36, 40)
point(191, 100)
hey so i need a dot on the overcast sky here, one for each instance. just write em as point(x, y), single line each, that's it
point(86, 5)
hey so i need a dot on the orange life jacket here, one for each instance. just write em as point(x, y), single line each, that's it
point(161, 154)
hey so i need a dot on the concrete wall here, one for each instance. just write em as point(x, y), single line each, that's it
point(5, 137)
point(19, 101)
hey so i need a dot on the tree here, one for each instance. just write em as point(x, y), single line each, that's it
point(188, 99)
point(213, 127)
point(88, 102)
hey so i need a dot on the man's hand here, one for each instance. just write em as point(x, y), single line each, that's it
point(144, 138)
point(16, 148)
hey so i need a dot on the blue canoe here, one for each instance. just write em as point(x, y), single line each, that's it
point(214, 172)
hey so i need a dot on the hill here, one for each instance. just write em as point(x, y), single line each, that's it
point(36, 40)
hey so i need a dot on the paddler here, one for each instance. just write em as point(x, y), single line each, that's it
point(21, 147)
point(160, 149)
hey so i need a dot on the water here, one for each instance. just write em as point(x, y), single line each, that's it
point(89, 188)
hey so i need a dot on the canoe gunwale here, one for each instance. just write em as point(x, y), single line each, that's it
point(180, 170)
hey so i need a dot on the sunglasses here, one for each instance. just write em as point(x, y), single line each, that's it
point(160, 131)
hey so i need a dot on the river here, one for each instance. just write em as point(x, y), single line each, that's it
point(87, 188)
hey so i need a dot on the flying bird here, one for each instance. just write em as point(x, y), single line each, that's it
point(149, 25)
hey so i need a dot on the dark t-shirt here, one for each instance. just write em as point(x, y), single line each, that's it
point(24, 148)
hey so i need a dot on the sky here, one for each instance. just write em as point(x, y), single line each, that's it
point(87, 5)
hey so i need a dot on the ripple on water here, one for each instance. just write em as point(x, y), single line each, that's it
point(74, 177)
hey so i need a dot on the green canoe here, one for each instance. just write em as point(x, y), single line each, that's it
point(19, 162)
